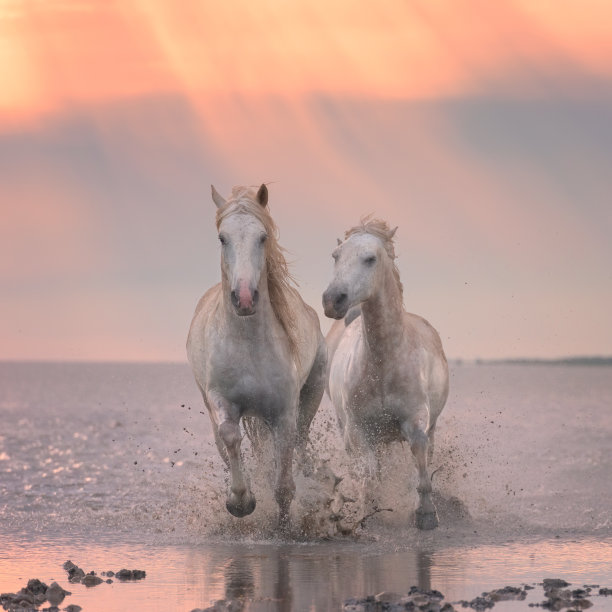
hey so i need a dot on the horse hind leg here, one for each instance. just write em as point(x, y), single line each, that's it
point(426, 515)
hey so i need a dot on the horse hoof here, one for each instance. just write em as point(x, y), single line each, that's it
point(426, 520)
point(243, 507)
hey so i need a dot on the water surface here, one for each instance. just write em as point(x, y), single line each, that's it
point(114, 466)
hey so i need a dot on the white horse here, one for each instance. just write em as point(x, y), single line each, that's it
point(256, 349)
point(388, 375)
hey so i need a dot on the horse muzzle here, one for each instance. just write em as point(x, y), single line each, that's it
point(335, 304)
point(244, 301)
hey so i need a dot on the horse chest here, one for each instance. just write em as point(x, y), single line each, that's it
point(257, 381)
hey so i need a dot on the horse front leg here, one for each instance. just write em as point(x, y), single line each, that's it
point(284, 490)
point(310, 399)
point(226, 422)
point(368, 460)
point(240, 501)
point(426, 515)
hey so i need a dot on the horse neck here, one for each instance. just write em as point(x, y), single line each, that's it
point(382, 319)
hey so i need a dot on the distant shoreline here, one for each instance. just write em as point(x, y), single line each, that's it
point(561, 361)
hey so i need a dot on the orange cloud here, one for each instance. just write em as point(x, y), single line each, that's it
point(57, 53)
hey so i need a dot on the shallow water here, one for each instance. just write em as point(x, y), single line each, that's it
point(113, 466)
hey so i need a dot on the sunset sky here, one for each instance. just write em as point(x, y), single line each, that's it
point(482, 129)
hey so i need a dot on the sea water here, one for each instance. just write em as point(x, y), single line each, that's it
point(114, 465)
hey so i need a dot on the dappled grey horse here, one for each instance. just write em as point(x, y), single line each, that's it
point(388, 376)
point(256, 349)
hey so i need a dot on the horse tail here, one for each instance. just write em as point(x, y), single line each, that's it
point(257, 432)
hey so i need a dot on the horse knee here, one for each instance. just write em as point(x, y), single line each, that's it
point(229, 432)
point(416, 437)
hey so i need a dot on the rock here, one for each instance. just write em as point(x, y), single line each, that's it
point(226, 605)
point(29, 597)
point(75, 573)
point(508, 593)
point(56, 594)
point(388, 597)
point(554, 583)
point(126, 574)
point(416, 599)
point(36, 587)
point(91, 580)
point(72, 608)
point(480, 603)
point(605, 591)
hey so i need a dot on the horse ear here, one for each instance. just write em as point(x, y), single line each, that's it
point(392, 232)
point(262, 194)
point(339, 241)
point(218, 199)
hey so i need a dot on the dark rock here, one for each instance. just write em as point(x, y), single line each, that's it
point(605, 591)
point(226, 605)
point(32, 596)
point(508, 593)
point(554, 583)
point(416, 599)
point(72, 608)
point(75, 573)
point(126, 574)
point(481, 603)
point(56, 594)
point(36, 587)
point(91, 580)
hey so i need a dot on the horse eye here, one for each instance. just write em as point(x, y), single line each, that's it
point(222, 239)
point(263, 238)
point(335, 256)
point(368, 261)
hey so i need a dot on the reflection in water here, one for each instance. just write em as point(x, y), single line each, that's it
point(424, 569)
point(317, 576)
point(290, 577)
point(282, 588)
point(239, 581)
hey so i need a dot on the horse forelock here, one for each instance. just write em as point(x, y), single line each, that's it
point(280, 281)
point(381, 230)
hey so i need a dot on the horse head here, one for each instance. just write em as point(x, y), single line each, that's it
point(243, 238)
point(360, 263)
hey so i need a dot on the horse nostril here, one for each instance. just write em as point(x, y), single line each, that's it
point(255, 296)
point(235, 300)
point(340, 300)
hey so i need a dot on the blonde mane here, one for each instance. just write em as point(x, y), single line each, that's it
point(380, 229)
point(243, 201)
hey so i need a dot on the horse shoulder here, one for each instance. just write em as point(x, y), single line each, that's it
point(205, 308)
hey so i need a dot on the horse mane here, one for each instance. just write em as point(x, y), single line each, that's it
point(280, 281)
point(380, 229)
